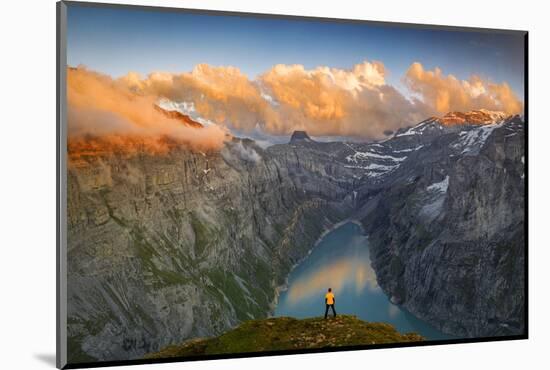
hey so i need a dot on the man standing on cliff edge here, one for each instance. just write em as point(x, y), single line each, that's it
point(329, 302)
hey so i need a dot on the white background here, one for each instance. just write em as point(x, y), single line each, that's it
point(27, 183)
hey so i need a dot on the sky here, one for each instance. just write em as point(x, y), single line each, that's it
point(117, 41)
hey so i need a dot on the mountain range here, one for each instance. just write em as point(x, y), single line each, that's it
point(163, 248)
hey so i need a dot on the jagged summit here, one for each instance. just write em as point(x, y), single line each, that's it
point(183, 118)
point(475, 117)
point(184, 111)
point(300, 137)
point(453, 122)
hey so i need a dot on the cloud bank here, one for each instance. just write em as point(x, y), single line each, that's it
point(355, 102)
point(446, 93)
point(221, 94)
point(107, 113)
point(324, 101)
point(337, 102)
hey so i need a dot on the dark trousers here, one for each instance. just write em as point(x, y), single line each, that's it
point(333, 311)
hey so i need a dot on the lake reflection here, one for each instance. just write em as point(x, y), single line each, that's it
point(348, 272)
point(341, 261)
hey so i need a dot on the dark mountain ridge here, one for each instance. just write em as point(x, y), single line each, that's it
point(299, 137)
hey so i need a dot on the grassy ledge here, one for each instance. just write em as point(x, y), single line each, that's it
point(284, 333)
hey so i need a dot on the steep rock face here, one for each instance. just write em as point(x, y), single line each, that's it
point(447, 231)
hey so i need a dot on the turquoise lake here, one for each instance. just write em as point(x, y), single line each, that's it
point(341, 261)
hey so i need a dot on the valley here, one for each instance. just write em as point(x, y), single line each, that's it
point(165, 248)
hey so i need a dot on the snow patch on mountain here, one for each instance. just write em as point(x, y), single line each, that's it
point(471, 141)
point(440, 187)
point(435, 198)
point(409, 149)
point(418, 129)
point(375, 170)
point(268, 98)
point(359, 156)
point(187, 108)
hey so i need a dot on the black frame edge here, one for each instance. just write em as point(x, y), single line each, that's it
point(61, 34)
point(61, 217)
point(526, 179)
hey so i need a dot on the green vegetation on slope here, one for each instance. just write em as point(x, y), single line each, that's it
point(285, 333)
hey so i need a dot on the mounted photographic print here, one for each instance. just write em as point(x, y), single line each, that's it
point(234, 184)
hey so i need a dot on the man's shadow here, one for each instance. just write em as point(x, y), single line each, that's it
point(47, 358)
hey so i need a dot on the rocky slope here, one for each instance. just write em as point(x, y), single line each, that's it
point(285, 333)
point(447, 229)
point(163, 248)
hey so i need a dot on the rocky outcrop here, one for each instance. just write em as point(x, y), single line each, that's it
point(286, 333)
point(183, 118)
point(162, 248)
point(299, 136)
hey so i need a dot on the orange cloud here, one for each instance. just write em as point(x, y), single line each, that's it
point(105, 114)
point(445, 93)
point(221, 94)
point(323, 101)
point(332, 101)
